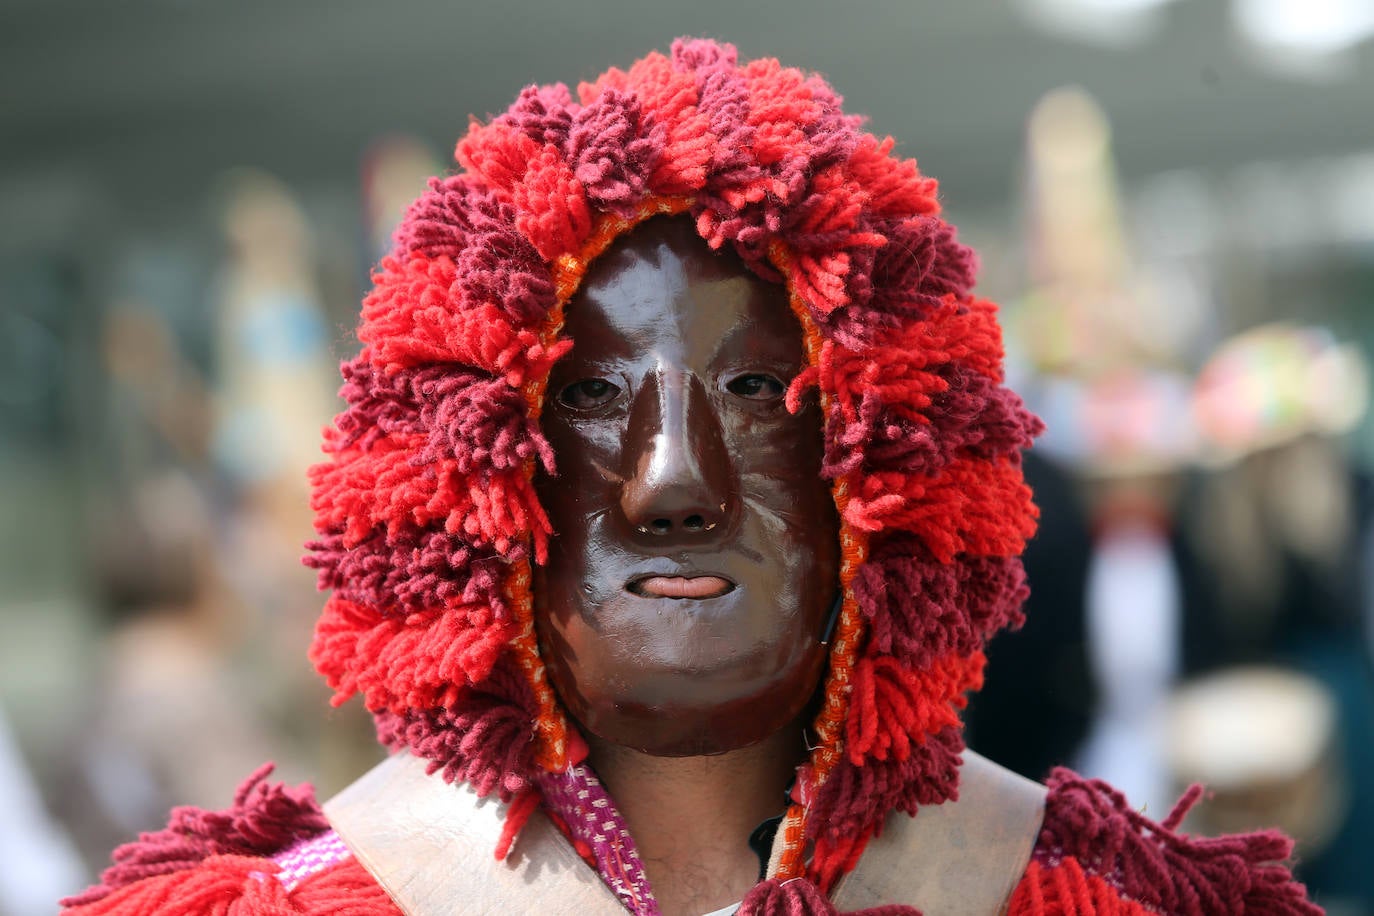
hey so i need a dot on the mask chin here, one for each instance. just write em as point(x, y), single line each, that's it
point(677, 731)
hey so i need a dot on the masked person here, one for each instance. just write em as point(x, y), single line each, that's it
point(676, 497)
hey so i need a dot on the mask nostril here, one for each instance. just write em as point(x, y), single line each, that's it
point(694, 523)
point(661, 525)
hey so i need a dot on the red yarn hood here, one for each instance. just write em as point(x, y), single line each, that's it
point(427, 518)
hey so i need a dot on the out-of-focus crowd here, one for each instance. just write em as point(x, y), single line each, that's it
point(1201, 602)
point(170, 661)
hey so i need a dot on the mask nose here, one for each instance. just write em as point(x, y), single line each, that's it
point(679, 483)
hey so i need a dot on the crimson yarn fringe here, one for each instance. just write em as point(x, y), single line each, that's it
point(799, 897)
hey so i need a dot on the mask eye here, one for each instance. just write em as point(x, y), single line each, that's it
point(588, 394)
point(756, 387)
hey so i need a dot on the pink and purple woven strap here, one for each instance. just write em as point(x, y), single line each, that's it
point(309, 857)
point(578, 797)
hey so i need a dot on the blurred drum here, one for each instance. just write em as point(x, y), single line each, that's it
point(1264, 742)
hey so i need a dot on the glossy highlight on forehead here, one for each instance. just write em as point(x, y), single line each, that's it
point(425, 510)
point(660, 279)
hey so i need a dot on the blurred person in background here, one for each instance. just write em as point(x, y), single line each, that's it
point(38, 857)
point(1188, 569)
point(394, 168)
point(170, 677)
point(1043, 670)
point(194, 539)
point(1278, 525)
point(1137, 441)
point(1096, 349)
point(273, 392)
point(1284, 512)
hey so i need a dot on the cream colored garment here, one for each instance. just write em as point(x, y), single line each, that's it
point(429, 845)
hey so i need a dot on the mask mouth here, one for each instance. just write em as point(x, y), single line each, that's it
point(698, 587)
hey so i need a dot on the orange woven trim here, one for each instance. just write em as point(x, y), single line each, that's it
point(849, 630)
point(789, 858)
point(550, 723)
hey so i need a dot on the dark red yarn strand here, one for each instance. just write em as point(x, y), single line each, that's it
point(411, 570)
point(1167, 872)
point(474, 419)
point(968, 415)
point(474, 226)
point(800, 897)
point(920, 609)
point(484, 740)
point(610, 153)
point(845, 803)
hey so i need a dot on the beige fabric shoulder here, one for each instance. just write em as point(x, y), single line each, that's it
point(429, 844)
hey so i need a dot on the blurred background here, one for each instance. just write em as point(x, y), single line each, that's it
point(1173, 199)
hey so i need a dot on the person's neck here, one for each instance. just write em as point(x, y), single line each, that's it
point(691, 817)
